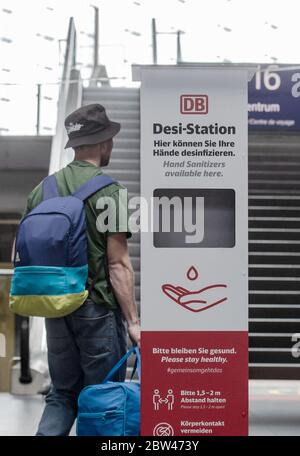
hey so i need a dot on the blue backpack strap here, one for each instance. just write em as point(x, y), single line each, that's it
point(50, 187)
point(115, 369)
point(92, 186)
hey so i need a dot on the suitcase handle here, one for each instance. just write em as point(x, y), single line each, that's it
point(120, 363)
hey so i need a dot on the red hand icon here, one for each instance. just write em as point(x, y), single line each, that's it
point(196, 301)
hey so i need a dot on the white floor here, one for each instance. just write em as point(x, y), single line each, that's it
point(274, 410)
point(274, 407)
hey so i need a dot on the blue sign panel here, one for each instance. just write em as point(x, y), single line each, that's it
point(274, 98)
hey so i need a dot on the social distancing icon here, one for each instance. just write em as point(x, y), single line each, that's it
point(160, 401)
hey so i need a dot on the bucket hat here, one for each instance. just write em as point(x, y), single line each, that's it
point(89, 125)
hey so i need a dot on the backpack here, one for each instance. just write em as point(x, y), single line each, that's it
point(51, 258)
point(111, 408)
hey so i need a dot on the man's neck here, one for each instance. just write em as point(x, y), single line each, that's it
point(93, 161)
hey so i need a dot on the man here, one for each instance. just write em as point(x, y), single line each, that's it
point(85, 345)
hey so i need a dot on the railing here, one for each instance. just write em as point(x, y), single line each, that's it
point(70, 94)
point(40, 100)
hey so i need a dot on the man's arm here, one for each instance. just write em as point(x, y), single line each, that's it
point(122, 280)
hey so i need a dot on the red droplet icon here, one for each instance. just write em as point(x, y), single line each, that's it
point(192, 273)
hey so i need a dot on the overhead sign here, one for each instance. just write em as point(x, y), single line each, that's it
point(194, 257)
point(274, 98)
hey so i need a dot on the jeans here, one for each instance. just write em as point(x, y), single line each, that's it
point(82, 348)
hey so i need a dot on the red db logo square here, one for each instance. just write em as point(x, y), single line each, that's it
point(194, 104)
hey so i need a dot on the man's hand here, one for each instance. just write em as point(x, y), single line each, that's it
point(134, 331)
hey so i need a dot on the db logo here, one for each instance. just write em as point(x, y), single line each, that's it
point(194, 104)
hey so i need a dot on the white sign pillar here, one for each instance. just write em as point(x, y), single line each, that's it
point(194, 260)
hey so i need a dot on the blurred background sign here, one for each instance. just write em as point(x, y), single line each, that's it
point(274, 98)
